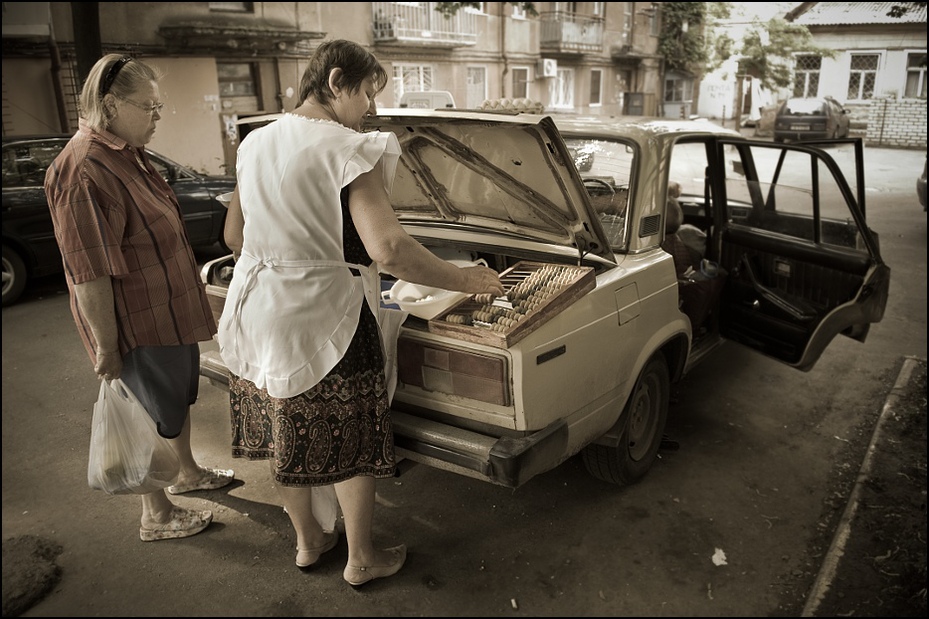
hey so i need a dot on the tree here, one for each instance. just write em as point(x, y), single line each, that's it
point(768, 49)
point(688, 42)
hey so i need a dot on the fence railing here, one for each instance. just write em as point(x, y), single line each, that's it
point(420, 22)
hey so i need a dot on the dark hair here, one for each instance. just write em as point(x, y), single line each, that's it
point(356, 63)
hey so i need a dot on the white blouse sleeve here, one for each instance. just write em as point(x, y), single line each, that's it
point(374, 146)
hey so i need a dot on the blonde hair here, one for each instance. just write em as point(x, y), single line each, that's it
point(114, 74)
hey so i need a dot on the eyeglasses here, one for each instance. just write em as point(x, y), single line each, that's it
point(151, 109)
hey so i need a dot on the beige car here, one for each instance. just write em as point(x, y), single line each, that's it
point(609, 301)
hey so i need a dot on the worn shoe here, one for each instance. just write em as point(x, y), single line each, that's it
point(309, 556)
point(183, 523)
point(210, 480)
point(359, 575)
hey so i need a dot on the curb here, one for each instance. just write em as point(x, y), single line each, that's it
point(837, 547)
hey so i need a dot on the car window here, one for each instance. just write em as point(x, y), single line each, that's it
point(24, 165)
point(804, 107)
point(606, 166)
point(788, 192)
point(689, 167)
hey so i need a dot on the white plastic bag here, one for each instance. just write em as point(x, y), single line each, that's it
point(127, 455)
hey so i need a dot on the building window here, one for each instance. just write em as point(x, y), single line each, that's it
point(862, 76)
point(411, 78)
point(475, 9)
point(598, 9)
point(232, 7)
point(236, 79)
point(806, 75)
point(518, 11)
point(678, 90)
point(628, 16)
point(596, 86)
point(653, 24)
point(520, 82)
point(561, 89)
point(916, 76)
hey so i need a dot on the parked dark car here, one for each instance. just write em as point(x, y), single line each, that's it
point(811, 119)
point(29, 247)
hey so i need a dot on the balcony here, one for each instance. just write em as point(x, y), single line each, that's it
point(570, 33)
point(418, 23)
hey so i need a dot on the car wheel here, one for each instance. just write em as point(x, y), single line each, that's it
point(644, 419)
point(14, 276)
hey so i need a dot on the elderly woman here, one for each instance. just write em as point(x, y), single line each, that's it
point(313, 221)
point(136, 296)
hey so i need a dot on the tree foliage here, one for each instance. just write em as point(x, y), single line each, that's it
point(768, 49)
point(681, 42)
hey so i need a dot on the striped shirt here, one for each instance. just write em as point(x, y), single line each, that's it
point(115, 215)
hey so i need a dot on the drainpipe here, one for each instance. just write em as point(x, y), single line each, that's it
point(55, 56)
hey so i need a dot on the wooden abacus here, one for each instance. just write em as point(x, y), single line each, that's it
point(535, 292)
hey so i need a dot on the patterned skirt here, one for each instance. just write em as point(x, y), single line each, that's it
point(336, 430)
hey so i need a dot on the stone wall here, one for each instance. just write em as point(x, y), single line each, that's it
point(895, 123)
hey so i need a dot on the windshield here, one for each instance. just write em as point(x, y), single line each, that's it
point(606, 167)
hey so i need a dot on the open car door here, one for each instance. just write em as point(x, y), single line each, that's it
point(802, 264)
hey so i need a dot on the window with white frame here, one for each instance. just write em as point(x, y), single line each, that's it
point(596, 87)
point(561, 89)
point(598, 8)
point(678, 89)
point(915, 76)
point(411, 78)
point(518, 12)
point(806, 75)
point(520, 82)
point(862, 76)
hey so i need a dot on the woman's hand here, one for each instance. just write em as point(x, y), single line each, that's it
point(482, 280)
point(109, 364)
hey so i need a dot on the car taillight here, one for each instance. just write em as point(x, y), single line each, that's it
point(456, 372)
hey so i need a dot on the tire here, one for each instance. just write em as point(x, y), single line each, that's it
point(14, 276)
point(644, 418)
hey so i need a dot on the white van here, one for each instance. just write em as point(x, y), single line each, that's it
point(428, 100)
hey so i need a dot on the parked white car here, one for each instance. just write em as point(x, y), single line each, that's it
point(580, 356)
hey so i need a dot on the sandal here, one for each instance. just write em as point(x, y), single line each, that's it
point(210, 480)
point(309, 556)
point(183, 523)
point(359, 575)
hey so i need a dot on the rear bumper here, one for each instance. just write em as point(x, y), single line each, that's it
point(504, 461)
point(797, 136)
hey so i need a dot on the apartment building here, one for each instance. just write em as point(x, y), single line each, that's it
point(227, 60)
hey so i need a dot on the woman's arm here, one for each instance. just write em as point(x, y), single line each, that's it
point(95, 298)
point(399, 254)
point(235, 225)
